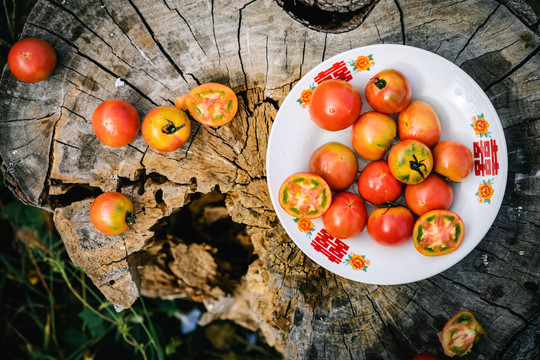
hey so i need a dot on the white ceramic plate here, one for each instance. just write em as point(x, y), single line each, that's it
point(464, 110)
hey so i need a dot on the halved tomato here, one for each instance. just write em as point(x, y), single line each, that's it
point(460, 333)
point(305, 195)
point(211, 104)
point(438, 232)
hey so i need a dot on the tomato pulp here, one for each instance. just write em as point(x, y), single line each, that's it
point(460, 333)
point(166, 128)
point(115, 122)
point(112, 213)
point(31, 60)
point(346, 217)
point(305, 195)
point(336, 163)
point(438, 232)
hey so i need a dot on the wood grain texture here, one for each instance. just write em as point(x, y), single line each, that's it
point(150, 52)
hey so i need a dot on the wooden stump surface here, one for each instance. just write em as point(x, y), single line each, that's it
point(150, 52)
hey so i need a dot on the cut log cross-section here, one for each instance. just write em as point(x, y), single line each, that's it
point(150, 52)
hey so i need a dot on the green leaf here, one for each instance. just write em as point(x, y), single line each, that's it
point(22, 215)
point(95, 323)
point(74, 336)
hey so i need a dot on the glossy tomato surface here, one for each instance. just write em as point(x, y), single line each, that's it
point(460, 333)
point(211, 104)
point(438, 232)
point(336, 163)
point(305, 195)
point(390, 226)
point(166, 128)
point(112, 213)
point(452, 160)
point(377, 185)
point(425, 356)
point(372, 135)
point(346, 217)
point(31, 60)
point(410, 161)
point(335, 105)
point(388, 92)
point(432, 194)
point(115, 122)
point(418, 121)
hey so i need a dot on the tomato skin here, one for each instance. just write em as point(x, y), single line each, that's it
point(346, 217)
point(388, 92)
point(335, 105)
point(156, 132)
point(115, 122)
point(438, 232)
point(335, 163)
point(434, 193)
point(31, 60)
point(420, 122)
point(377, 185)
point(460, 333)
point(425, 356)
point(453, 160)
point(410, 161)
point(211, 104)
point(112, 213)
point(372, 135)
point(305, 195)
point(390, 226)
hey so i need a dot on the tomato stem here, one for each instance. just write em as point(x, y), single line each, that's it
point(170, 128)
point(388, 206)
point(379, 83)
point(130, 219)
point(417, 166)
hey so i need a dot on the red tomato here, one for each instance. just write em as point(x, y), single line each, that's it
point(460, 333)
point(419, 121)
point(425, 356)
point(166, 128)
point(346, 217)
point(112, 213)
point(452, 160)
point(390, 226)
point(211, 104)
point(377, 185)
point(115, 122)
point(388, 92)
point(410, 161)
point(372, 135)
point(336, 163)
point(305, 195)
point(335, 105)
point(31, 60)
point(432, 194)
point(438, 232)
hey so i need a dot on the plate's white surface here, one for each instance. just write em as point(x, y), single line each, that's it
point(458, 101)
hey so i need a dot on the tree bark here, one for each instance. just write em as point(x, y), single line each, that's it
point(150, 52)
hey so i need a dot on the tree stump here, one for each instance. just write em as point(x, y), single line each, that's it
point(149, 52)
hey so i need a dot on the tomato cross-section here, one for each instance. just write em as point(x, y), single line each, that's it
point(305, 195)
point(438, 232)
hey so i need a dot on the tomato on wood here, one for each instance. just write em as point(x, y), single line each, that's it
point(372, 135)
point(410, 161)
point(112, 213)
point(115, 122)
point(346, 217)
point(460, 333)
point(438, 232)
point(211, 104)
point(432, 194)
point(452, 160)
point(420, 122)
point(388, 92)
point(377, 185)
point(335, 105)
point(390, 225)
point(305, 195)
point(31, 60)
point(166, 128)
point(336, 163)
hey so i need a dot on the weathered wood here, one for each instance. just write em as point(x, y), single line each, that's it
point(149, 52)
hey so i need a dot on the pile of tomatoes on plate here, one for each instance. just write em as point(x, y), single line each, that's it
point(116, 123)
point(406, 158)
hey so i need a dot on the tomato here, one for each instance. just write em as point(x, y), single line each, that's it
point(453, 160)
point(166, 128)
point(372, 135)
point(377, 185)
point(115, 122)
point(211, 104)
point(390, 226)
point(31, 60)
point(410, 161)
point(438, 232)
point(425, 356)
point(388, 92)
point(346, 217)
point(335, 105)
point(419, 121)
point(432, 194)
point(336, 163)
point(305, 195)
point(112, 213)
point(460, 333)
